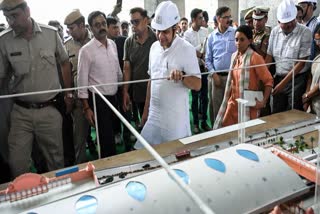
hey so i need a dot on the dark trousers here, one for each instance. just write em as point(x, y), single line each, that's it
point(117, 122)
point(128, 116)
point(67, 136)
point(67, 131)
point(106, 121)
point(203, 96)
point(282, 101)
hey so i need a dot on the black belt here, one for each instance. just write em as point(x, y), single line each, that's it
point(30, 105)
point(223, 73)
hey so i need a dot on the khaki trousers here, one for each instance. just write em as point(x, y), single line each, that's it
point(43, 126)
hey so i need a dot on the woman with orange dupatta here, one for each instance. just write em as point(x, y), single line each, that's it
point(242, 78)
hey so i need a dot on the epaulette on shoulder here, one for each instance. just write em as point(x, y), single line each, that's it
point(8, 30)
point(47, 27)
point(67, 40)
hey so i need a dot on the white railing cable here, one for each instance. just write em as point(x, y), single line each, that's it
point(116, 83)
point(194, 197)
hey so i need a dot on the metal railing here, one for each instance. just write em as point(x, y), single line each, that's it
point(195, 198)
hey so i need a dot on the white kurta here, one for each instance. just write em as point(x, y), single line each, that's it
point(168, 117)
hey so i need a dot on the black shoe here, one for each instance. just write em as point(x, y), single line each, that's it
point(130, 148)
point(196, 129)
point(206, 127)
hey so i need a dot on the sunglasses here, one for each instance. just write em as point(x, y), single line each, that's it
point(135, 22)
point(226, 17)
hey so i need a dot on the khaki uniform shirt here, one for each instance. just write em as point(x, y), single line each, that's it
point(261, 41)
point(73, 48)
point(34, 62)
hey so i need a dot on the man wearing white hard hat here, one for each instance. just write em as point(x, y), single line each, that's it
point(308, 7)
point(167, 102)
point(289, 40)
point(308, 18)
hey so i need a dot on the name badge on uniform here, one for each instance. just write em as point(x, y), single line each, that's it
point(16, 54)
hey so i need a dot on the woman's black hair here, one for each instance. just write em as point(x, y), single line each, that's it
point(247, 31)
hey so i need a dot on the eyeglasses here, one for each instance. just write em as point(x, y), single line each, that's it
point(135, 22)
point(226, 17)
point(99, 24)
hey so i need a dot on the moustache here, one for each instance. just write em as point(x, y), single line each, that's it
point(103, 31)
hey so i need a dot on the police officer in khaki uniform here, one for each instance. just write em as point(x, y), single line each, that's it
point(248, 18)
point(30, 50)
point(80, 35)
point(261, 32)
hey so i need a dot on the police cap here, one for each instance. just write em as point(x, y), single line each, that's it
point(260, 12)
point(248, 15)
point(72, 17)
point(8, 5)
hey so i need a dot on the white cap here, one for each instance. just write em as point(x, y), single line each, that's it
point(312, 1)
point(166, 15)
point(287, 11)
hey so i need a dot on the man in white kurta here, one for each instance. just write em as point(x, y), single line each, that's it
point(167, 103)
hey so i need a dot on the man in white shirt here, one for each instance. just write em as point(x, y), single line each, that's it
point(167, 103)
point(288, 41)
point(98, 64)
point(196, 35)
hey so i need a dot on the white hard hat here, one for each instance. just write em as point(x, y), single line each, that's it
point(312, 1)
point(287, 11)
point(166, 15)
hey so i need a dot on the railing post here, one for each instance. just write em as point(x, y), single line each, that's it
point(96, 122)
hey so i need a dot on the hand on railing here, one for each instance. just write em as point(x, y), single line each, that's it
point(176, 75)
